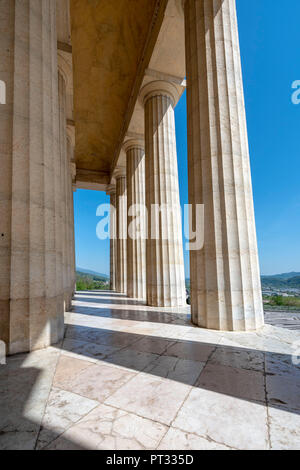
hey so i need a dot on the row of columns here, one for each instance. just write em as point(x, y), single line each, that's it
point(148, 261)
point(225, 277)
point(37, 270)
point(36, 236)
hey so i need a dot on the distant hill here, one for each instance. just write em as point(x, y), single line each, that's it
point(282, 281)
point(94, 274)
point(86, 281)
point(277, 281)
point(283, 276)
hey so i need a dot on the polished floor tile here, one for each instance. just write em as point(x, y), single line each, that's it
point(107, 428)
point(151, 397)
point(96, 382)
point(284, 429)
point(239, 383)
point(62, 411)
point(128, 376)
point(181, 370)
point(175, 439)
point(224, 419)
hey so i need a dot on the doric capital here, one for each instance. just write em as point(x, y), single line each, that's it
point(73, 170)
point(133, 144)
point(111, 190)
point(159, 88)
point(71, 133)
point(120, 172)
point(65, 69)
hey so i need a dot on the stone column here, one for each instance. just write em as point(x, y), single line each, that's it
point(165, 268)
point(71, 146)
point(225, 278)
point(73, 251)
point(121, 213)
point(71, 236)
point(113, 236)
point(31, 296)
point(136, 241)
point(65, 191)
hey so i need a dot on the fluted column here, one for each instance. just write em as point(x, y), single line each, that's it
point(73, 251)
point(165, 268)
point(225, 278)
point(71, 247)
point(65, 190)
point(121, 213)
point(31, 296)
point(136, 241)
point(113, 236)
point(72, 164)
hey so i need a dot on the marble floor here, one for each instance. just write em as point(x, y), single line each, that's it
point(128, 376)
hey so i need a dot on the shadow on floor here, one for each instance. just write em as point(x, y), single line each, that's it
point(135, 315)
point(239, 372)
point(17, 383)
point(245, 373)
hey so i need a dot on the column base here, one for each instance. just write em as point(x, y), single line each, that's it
point(166, 304)
point(42, 327)
point(237, 325)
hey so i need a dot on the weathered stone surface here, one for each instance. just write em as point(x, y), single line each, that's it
point(121, 204)
point(136, 241)
point(31, 288)
point(225, 278)
point(68, 261)
point(113, 237)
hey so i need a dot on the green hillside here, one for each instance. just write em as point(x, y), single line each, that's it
point(93, 273)
point(86, 281)
point(284, 281)
point(277, 282)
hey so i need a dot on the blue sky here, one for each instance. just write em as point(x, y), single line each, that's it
point(269, 39)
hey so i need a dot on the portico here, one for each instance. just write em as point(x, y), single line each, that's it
point(95, 112)
point(88, 91)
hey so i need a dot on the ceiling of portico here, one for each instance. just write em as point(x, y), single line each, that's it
point(167, 63)
point(112, 43)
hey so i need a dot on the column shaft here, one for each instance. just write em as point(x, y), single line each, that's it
point(113, 240)
point(71, 246)
point(136, 241)
point(225, 278)
point(70, 147)
point(73, 251)
point(65, 190)
point(121, 203)
point(165, 268)
point(31, 297)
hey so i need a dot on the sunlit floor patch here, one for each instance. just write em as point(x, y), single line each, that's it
point(127, 376)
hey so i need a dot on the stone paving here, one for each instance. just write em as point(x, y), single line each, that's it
point(128, 376)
